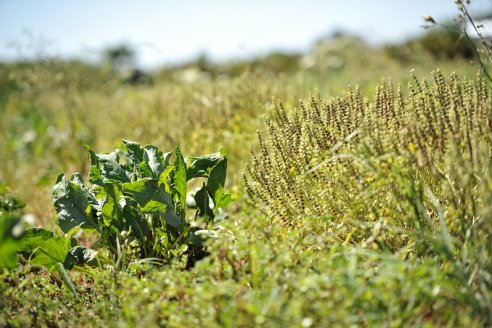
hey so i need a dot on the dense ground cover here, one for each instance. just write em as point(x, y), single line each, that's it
point(361, 192)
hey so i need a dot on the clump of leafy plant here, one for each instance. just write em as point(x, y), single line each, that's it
point(40, 246)
point(138, 206)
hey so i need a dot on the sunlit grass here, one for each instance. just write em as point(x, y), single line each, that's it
point(367, 210)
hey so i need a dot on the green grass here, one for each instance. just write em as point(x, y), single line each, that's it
point(259, 275)
point(390, 226)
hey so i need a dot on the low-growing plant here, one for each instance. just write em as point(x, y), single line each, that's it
point(138, 207)
point(42, 247)
point(319, 158)
point(405, 173)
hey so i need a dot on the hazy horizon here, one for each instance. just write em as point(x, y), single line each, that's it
point(171, 33)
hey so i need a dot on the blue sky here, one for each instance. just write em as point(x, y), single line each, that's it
point(166, 32)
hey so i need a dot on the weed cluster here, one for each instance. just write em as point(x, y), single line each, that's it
point(405, 172)
point(324, 149)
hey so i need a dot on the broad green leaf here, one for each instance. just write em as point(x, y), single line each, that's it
point(164, 178)
point(172, 218)
point(140, 227)
point(95, 175)
point(147, 192)
point(149, 160)
point(33, 238)
point(144, 171)
point(221, 200)
point(152, 199)
point(80, 255)
point(111, 169)
point(8, 254)
point(216, 182)
point(180, 180)
point(77, 179)
point(167, 157)
point(9, 241)
point(134, 151)
point(138, 164)
point(202, 201)
point(52, 251)
point(156, 160)
point(201, 166)
point(72, 207)
point(111, 211)
point(105, 168)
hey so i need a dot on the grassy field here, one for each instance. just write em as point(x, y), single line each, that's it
point(361, 191)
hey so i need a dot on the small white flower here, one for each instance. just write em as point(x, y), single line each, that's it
point(17, 230)
point(28, 219)
point(307, 322)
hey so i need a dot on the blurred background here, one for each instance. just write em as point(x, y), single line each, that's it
point(201, 75)
point(164, 33)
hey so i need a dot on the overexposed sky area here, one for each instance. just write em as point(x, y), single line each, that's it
point(168, 32)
